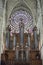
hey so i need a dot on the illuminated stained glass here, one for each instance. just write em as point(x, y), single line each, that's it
point(23, 16)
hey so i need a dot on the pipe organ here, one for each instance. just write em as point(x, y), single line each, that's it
point(21, 26)
point(22, 42)
point(14, 40)
point(17, 55)
point(28, 42)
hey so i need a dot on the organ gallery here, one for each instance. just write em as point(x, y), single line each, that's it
point(22, 48)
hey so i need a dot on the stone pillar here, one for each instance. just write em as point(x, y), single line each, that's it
point(21, 26)
point(35, 37)
point(39, 20)
point(3, 26)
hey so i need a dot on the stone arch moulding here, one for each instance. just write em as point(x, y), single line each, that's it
point(22, 7)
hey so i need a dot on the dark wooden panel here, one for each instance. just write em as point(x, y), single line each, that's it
point(34, 56)
point(36, 62)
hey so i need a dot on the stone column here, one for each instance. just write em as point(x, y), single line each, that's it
point(3, 26)
point(39, 20)
point(21, 26)
point(35, 37)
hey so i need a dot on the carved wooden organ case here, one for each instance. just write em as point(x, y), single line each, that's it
point(22, 46)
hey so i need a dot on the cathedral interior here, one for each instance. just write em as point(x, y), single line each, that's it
point(21, 32)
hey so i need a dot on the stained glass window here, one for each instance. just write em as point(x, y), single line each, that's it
point(26, 18)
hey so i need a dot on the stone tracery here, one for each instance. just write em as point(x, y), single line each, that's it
point(27, 19)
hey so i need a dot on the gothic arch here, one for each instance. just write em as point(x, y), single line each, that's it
point(21, 6)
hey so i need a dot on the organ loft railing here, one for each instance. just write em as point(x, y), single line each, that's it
point(22, 42)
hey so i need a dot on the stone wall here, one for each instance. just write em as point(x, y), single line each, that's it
point(1, 21)
point(31, 4)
